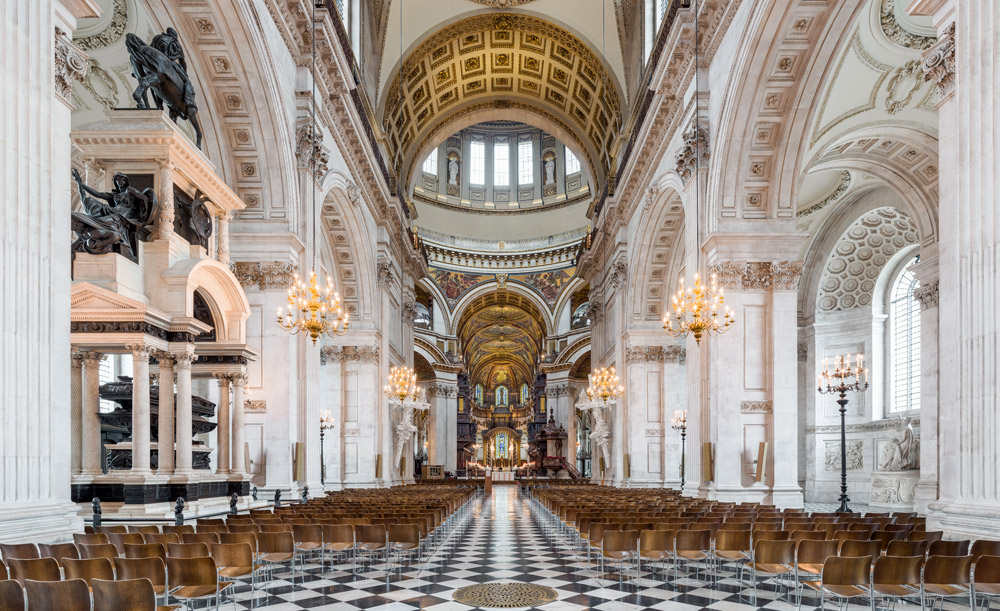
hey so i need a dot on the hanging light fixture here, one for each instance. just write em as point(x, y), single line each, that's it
point(313, 310)
point(604, 385)
point(402, 386)
point(700, 309)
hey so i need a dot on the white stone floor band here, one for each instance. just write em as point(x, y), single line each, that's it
point(506, 537)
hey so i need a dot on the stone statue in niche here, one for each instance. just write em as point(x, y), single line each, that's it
point(901, 454)
point(161, 67)
point(452, 171)
point(115, 221)
point(550, 171)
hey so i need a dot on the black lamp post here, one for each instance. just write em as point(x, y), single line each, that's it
point(325, 422)
point(843, 379)
point(679, 423)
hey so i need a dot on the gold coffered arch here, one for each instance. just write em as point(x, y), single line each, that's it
point(506, 63)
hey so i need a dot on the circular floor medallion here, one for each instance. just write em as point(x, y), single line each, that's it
point(504, 595)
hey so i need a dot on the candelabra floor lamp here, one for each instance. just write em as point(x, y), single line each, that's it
point(325, 423)
point(839, 382)
point(679, 423)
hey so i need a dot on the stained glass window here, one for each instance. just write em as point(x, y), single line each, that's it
point(525, 394)
point(479, 393)
point(502, 395)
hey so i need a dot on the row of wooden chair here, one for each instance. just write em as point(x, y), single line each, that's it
point(78, 595)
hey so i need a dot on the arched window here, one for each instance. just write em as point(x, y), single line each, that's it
point(431, 163)
point(572, 163)
point(525, 394)
point(501, 163)
point(479, 393)
point(477, 169)
point(502, 395)
point(525, 163)
point(904, 343)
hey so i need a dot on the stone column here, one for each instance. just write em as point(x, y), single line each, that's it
point(184, 416)
point(90, 405)
point(76, 409)
point(223, 238)
point(165, 426)
point(222, 429)
point(927, 295)
point(785, 489)
point(140, 408)
point(165, 195)
point(239, 466)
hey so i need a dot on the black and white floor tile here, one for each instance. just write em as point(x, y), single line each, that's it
point(505, 537)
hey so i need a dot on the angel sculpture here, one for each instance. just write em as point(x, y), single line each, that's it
point(405, 429)
point(601, 434)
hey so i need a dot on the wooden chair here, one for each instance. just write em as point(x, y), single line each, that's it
point(120, 539)
point(98, 550)
point(211, 528)
point(337, 539)
point(244, 528)
point(11, 551)
point(948, 548)
point(126, 595)
point(655, 546)
point(212, 522)
point(984, 547)
point(88, 569)
point(187, 550)
point(404, 540)
point(145, 550)
point(3, 571)
point(35, 569)
point(802, 535)
point(58, 551)
point(619, 547)
point(180, 531)
point(691, 546)
point(154, 569)
point(371, 541)
point(896, 577)
point(861, 548)
point(843, 577)
point(164, 538)
point(193, 579)
point(144, 530)
point(248, 538)
point(947, 577)
point(70, 595)
point(731, 546)
point(280, 527)
point(11, 596)
point(237, 561)
point(772, 559)
point(207, 538)
point(907, 548)
point(851, 535)
point(925, 535)
point(91, 539)
point(810, 556)
point(111, 530)
point(986, 579)
point(308, 539)
point(887, 536)
point(277, 548)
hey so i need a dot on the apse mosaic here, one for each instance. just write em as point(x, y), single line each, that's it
point(547, 284)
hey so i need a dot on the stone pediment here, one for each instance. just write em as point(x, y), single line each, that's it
point(89, 302)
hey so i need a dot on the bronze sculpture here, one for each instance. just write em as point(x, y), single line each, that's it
point(114, 220)
point(161, 66)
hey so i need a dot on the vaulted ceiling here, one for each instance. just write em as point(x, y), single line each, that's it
point(501, 336)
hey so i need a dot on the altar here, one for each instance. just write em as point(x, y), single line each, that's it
point(503, 477)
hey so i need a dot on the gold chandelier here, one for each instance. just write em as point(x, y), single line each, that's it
point(604, 385)
point(696, 311)
point(313, 310)
point(402, 385)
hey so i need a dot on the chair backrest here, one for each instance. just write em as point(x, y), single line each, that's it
point(70, 595)
point(120, 539)
point(187, 550)
point(853, 548)
point(98, 550)
point(88, 569)
point(153, 569)
point(693, 541)
point(248, 538)
point(802, 535)
point(164, 538)
point(657, 540)
point(59, 551)
point(279, 543)
point(3, 571)
point(370, 533)
point(896, 570)
point(815, 551)
point(108, 530)
point(619, 541)
point(145, 550)
point(144, 530)
point(199, 571)
point(906, 528)
point(208, 538)
point(770, 551)
point(181, 530)
point(987, 570)
point(232, 554)
point(338, 533)
point(211, 528)
point(847, 571)
point(404, 533)
point(769, 535)
point(925, 535)
point(244, 528)
point(887, 536)
point(907, 548)
point(985, 547)
point(948, 548)
point(767, 525)
point(275, 528)
point(11, 596)
point(733, 541)
point(122, 595)
point(11, 551)
point(851, 535)
point(307, 533)
point(211, 521)
point(950, 570)
point(91, 539)
point(35, 569)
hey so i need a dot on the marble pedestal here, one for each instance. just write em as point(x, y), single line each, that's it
point(894, 490)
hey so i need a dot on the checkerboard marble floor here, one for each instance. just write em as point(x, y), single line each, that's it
point(506, 537)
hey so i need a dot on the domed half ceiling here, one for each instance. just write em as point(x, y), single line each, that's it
point(501, 335)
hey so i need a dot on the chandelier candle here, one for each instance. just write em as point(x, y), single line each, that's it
point(843, 379)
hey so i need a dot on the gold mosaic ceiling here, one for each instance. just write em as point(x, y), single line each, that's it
point(503, 61)
point(501, 335)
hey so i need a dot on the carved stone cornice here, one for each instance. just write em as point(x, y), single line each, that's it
point(357, 354)
point(444, 390)
point(310, 150)
point(896, 32)
point(694, 142)
point(264, 275)
point(939, 63)
point(758, 275)
point(867, 427)
point(655, 354)
point(71, 66)
point(502, 3)
point(92, 358)
point(141, 352)
point(927, 295)
point(557, 390)
point(756, 407)
point(183, 360)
